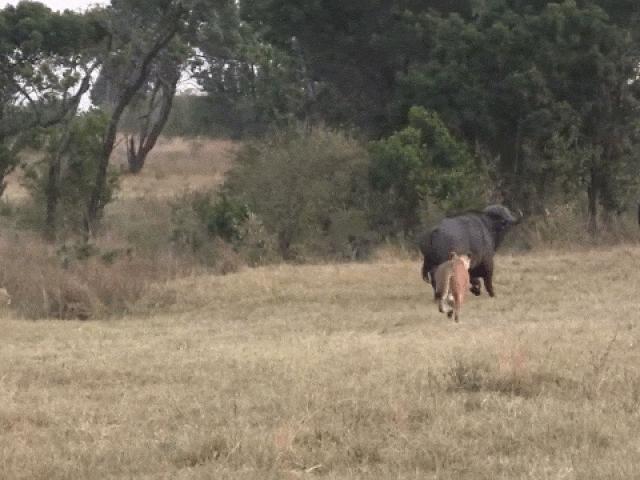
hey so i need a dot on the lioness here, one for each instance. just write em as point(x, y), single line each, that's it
point(452, 281)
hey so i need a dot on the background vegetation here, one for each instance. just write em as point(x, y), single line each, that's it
point(310, 131)
point(337, 371)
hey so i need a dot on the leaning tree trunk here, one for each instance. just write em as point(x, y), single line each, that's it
point(132, 86)
point(159, 108)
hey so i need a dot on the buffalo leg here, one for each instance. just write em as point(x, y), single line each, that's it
point(475, 275)
point(476, 286)
point(429, 275)
point(488, 279)
point(432, 278)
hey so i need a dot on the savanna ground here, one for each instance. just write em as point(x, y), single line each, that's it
point(335, 371)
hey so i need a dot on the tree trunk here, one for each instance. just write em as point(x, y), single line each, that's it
point(53, 184)
point(592, 194)
point(154, 124)
point(95, 207)
point(55, 162)
point(52, 199)
point(140, 75)
point(284, 245)
point(135, 161)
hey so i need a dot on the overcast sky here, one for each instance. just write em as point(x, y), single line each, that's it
point(60, 4)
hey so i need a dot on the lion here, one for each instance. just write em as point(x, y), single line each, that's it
point(452, 282)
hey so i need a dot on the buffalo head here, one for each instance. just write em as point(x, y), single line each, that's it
point(500, 212)
point(501, 220)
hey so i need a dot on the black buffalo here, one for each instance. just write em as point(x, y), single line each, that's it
point(477, 234)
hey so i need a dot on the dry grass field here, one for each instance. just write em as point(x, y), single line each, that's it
point(338, 372)
point(174, 166)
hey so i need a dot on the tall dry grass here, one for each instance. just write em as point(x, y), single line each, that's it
point(338, 372)
point(47, 281)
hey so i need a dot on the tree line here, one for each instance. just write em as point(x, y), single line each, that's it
point(459, 102)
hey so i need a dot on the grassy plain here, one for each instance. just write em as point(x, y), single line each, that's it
point(338, 372)
point(174, 166)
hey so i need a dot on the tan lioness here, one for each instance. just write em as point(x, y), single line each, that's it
point(452, 282)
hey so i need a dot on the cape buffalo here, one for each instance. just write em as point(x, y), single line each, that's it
point(477, 234)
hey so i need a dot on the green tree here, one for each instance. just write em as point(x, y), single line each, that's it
point(595, 72)
point(252, 85)
point(46, 62)
point(352, 51)
point(519, 80)
point(140, 32)
point(422, 164)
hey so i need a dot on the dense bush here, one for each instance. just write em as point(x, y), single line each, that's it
point(210, 227)
point(217, 216)
point(199, 216)
point(309, 189)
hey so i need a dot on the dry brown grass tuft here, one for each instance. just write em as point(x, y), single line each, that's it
point(341, 372)
point(44, 281)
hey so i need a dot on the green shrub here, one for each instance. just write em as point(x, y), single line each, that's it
point(309, 189)
point(208, 226)
point(199, 216)
point(420, 165)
